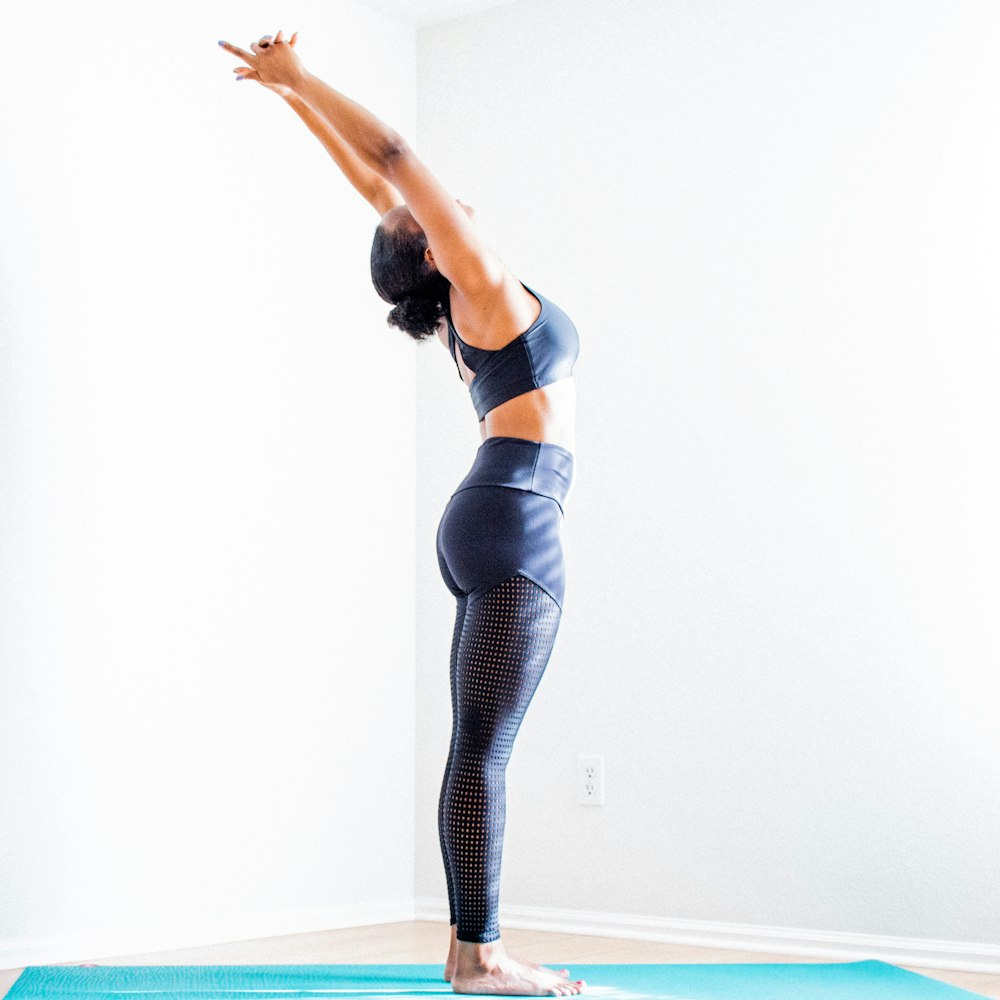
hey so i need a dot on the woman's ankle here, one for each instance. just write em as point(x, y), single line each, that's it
point(478, 955)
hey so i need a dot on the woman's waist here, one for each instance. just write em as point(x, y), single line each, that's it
point(542, 467)
point(547, 414)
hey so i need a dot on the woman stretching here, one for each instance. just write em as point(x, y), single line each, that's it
point(498, 541)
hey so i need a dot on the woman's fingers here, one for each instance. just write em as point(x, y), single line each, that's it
point(265, 57)
point(237, 51)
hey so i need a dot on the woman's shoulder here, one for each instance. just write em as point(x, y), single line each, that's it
point(495, 316)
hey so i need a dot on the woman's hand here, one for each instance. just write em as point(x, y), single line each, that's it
point(273, 63)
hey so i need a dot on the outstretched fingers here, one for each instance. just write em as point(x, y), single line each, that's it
point(250, 58)
point(237, 51)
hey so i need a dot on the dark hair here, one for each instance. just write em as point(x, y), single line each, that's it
point(402, 275)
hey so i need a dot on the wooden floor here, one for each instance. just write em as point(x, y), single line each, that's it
point(421, 942)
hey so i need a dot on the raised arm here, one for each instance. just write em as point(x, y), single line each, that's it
point(459, 252)
point(374, 188)
point(358, 142)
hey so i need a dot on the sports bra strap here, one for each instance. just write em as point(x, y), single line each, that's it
point(451, 348)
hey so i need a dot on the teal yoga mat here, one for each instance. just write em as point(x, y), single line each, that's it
point(869, 980)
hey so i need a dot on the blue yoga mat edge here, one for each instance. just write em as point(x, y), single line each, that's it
point(867, 979)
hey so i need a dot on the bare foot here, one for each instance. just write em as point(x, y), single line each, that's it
point(487, 968)
point(449, 967)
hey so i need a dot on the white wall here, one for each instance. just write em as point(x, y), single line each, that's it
point(774, 225)
point(207, 471)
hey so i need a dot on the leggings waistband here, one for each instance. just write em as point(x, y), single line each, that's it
point(538, 466)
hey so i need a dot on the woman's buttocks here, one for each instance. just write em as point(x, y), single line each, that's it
point(505, 518)
point(489, 534)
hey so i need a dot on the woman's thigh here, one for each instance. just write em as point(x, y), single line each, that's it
point(489, 534)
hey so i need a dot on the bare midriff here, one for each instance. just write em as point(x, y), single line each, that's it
point(546, 414)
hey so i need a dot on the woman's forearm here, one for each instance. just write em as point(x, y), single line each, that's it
point(370, 138)
point(364, 179)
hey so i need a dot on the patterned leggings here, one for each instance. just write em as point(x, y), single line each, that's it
point(500, 554)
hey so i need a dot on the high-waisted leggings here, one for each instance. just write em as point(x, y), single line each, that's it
point(500, 554)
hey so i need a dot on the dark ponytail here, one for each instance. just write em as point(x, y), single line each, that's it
point(402, 275)
point(418, 316)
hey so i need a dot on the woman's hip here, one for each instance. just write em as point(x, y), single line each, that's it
point(534, 466)
point(505, 519)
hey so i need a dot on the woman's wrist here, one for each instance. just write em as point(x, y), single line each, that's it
point(298, 86)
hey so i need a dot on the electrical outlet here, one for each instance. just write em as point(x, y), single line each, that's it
point(590, 781)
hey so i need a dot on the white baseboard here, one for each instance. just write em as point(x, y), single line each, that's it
point(913, 952)
point(94, 945)
point(843, 946)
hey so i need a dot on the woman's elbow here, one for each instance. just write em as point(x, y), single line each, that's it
point(395, 146)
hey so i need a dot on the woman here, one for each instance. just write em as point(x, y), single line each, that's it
point(498, 540)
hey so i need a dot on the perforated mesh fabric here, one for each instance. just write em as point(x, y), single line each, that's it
point(448, 863)
point(500, 648)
